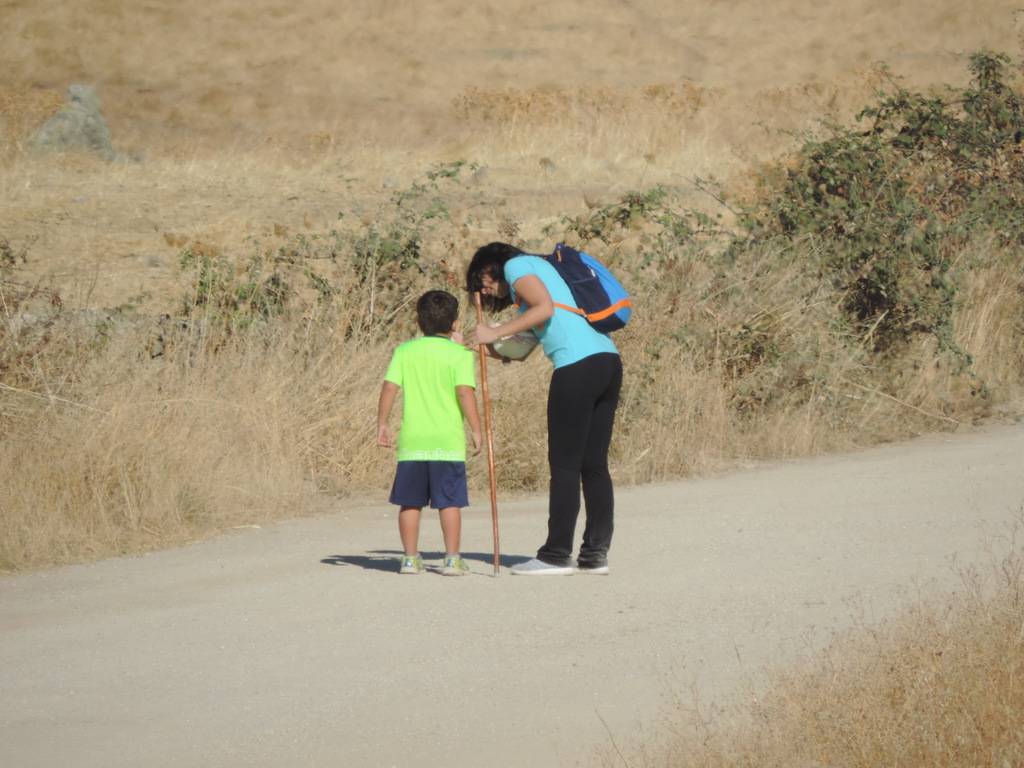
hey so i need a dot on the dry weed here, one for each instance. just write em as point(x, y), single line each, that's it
point(132, 453)
point(23, 109)
point(115, 442)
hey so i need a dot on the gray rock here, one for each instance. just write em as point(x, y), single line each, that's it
point(80, 125)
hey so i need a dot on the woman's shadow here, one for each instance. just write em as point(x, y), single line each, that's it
point(387, 559)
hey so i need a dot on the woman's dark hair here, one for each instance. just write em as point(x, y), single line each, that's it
point(490, 260)
point(436, 312)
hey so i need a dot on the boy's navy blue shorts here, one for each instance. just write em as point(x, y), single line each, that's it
point(439, 484)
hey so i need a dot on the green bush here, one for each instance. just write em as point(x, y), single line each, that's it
point(888, 206)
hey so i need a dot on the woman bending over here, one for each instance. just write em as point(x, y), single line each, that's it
point(582, 397)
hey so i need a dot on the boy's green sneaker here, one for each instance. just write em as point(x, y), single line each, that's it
point(454, 566)
point(411, 564)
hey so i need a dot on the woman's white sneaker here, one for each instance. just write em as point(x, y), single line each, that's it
point(535, 567)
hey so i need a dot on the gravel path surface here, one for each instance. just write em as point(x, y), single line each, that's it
point(299, 645)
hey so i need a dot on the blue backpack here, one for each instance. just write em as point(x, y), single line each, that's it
point(599, 295)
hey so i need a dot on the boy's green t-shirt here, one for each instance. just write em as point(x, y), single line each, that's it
point(428, 370)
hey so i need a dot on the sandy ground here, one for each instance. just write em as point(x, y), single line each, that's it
point(300, 645)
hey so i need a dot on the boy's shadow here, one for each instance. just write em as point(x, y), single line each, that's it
point(387, 559)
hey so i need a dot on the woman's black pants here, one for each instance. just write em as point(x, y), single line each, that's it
point(581, 414)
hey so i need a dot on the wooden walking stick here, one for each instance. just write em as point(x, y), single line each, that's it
point(490, 439)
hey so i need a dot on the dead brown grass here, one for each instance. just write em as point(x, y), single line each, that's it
point(252, 112)
point(262, 124)
point(125, 431)
point(22, 110)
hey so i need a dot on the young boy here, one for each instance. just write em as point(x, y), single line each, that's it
point(438, 383)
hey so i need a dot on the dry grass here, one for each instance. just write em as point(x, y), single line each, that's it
point(937, 685)
point(255, 148)
point(124, 431)
point(252, 113)
point(22, 110)
point(141, 454)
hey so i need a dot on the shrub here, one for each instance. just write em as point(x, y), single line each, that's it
point(887, 207)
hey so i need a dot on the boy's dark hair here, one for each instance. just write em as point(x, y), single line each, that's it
point(490, 260)
point(436, 312)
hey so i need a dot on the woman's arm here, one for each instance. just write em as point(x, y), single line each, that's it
point(534, 294)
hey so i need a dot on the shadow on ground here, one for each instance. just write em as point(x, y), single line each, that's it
point(387, 559)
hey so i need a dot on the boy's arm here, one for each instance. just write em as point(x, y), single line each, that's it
point(388, 392)
point(467, 401)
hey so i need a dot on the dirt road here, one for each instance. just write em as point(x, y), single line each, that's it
point(300, 646)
